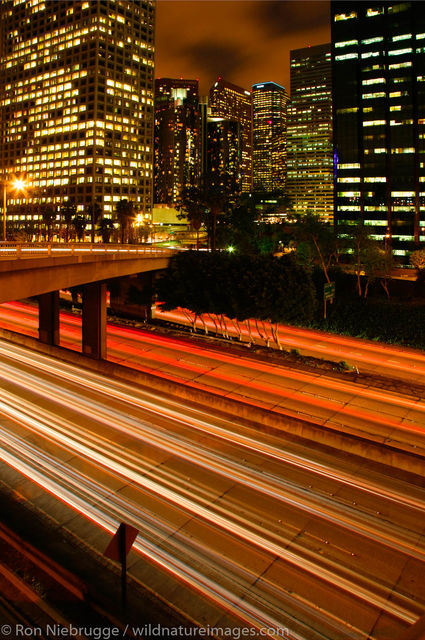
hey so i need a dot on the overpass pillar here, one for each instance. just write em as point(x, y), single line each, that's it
point(48, 317)
point(94, 320)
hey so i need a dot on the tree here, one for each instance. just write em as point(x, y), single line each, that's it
point(311, 229)
point(67, 212)
point(79, 222)
point(125, 214)
point(48, 214)
point(417, 259)
point(93, 211)
point(378, 264)
point(361, 244)
point(105, 227)
point(193, 208)
point(204, 204)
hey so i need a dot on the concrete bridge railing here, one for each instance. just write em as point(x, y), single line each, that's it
point(38, 249)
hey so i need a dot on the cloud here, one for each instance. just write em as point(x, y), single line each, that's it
point(217, 58)
point(285, 17)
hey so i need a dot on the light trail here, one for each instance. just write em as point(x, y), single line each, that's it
point(155, 404)
point(109, 429)
point(332, 403)
point(284, 491)
point(324, 344)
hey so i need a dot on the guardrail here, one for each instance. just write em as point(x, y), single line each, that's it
point(33, 249)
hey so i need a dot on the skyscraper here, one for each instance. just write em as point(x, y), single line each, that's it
point(234, 103)
point(177, 138)
point(269, 102)
point(223, 157)
point(378, 57)
point(309, 132)
point(77, 101)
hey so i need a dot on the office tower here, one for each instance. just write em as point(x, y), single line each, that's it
point(378, 57)
point(177, 138)
point(269, 102)
point(77, 102)
point(309, 132)
point(231, 102)
point(223, 157)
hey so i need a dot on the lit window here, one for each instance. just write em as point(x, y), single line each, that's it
point(399, 52)
point(370, 54)
point(374, 11)
point(405, 36)
point(373, 81)
point(349, 180)
point(347, 56)
point(400, 65)
point(379, 94)
point(373, 123)
point(350, 165)
point(403, 150)
point(345, 16)
point(375, 179)
point(347, 43)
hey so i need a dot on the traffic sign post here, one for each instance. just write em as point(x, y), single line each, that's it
point(328, 294)
point(118, 550)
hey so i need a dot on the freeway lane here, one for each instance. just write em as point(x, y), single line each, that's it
point(376, 415)
point(382, 359)
point(268, 532)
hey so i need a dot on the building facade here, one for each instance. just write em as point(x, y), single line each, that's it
point(76, 103)
point(269, 102)
point(309, 132)
point(223, 155)
point(378, 58)
point(177, 138)
point(231, 102)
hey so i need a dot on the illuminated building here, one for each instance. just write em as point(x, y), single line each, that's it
point(77, 102)
point(269, 102)
point(177, 138)
point(223, 157)
point(231, 102)
point(378, 56)
point(309, 132)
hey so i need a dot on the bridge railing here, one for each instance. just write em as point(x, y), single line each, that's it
point(33, 249)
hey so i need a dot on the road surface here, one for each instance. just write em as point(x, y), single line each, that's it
point(341, 405)
point(237, 527)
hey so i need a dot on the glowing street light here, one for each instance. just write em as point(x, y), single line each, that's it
point(17, 184)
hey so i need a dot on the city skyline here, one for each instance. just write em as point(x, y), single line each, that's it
point(254, 42)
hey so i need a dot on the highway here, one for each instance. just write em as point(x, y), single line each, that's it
point(341, 405)
point(382, 359)
point(268, 533)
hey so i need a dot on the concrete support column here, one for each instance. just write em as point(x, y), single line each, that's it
point(94, 320)
point(48, 317)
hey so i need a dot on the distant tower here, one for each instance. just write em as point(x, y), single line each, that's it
point(223, 159)
point(177, 138)
point(269, 102)
point(309, 132)
point(231, 102)
point(378, 79)
point(76, 103)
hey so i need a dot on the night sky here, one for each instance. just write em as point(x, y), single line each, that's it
point(244, 41)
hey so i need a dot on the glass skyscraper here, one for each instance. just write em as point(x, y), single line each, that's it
point(76, 103)
point(309, 132)
point(234, 103)
point(269, 102)
point(378, 57)
point(177, 138)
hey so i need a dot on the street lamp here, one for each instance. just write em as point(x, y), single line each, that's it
point(17, 184)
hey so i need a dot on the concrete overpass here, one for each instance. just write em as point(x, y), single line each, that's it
point(38, 269)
